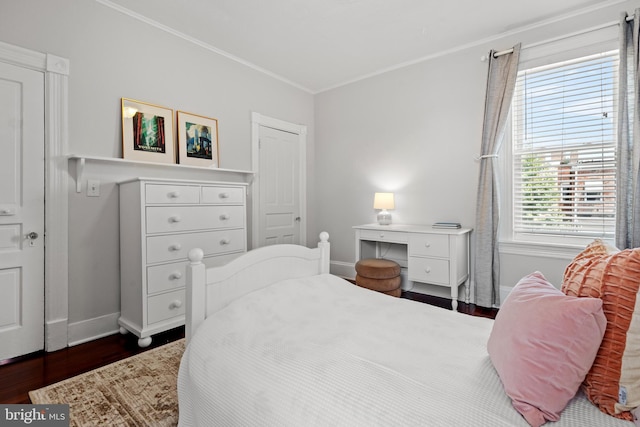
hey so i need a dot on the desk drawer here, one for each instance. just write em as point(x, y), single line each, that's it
point(384, 236)
point(161, 193)
point(165, 306)
point(436, 245)
point(222, 195)
point(167, 219)
point(429, 270)
point(176, 247)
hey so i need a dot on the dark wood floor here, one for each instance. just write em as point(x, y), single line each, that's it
point(20, 375)
point(470, 309)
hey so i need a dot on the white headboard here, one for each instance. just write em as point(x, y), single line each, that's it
point(209, 290)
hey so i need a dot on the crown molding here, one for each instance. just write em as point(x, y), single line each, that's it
point(198, 42)
point(481, 42)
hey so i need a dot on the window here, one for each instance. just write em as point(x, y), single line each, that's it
point(563, 149)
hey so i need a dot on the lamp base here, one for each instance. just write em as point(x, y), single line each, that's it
point(384, 217)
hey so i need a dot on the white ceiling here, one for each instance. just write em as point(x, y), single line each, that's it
point(320, 44)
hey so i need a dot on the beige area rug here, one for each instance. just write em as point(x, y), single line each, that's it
point(138, 391)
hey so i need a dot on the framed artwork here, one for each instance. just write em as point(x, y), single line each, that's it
point(147, 132)
point(197, 140)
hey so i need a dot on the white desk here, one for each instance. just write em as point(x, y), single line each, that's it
point(434, 255)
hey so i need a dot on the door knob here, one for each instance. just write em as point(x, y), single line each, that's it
point(298, 219)
point(32, 236)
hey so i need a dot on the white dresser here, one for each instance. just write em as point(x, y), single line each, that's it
point(428, 255)
point(160, 222)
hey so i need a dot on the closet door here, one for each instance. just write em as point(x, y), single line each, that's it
point(280, 217)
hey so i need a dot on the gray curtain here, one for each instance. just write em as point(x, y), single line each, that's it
point(500, 86)
point(628, 191)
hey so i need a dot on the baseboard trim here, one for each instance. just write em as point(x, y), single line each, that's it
point(343, 269)
point(92, 329)
point(55, 335)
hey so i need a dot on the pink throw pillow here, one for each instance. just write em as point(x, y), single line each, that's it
point(542, 344)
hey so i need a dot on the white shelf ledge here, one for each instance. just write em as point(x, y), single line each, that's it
point(81, 161)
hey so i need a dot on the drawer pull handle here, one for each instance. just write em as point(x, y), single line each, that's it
point(382, 235)
point(175, 248)
point(224, 217)
point(174, 194)
point(427, 270)
point(175, 276)
point(427, 245)
point(175, 304)
point(175, 219)
point(223, 195)
point(225, 241)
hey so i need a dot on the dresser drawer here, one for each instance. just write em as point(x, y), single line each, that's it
point(176, 247)
point(436, 245)
point(384, 236)
point(163, 193)
point(165, 306)
point(429, 270)
point(167, 219)
point(166, 277)
point(222, 195)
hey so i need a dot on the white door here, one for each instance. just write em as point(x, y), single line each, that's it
point(21, 211)
point(279, 170)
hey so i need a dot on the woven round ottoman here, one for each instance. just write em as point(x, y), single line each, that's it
point(382, 275)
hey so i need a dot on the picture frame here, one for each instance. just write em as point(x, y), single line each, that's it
point(197, 140)
point(147, 132)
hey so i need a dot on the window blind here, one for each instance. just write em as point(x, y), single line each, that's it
point(564, 148)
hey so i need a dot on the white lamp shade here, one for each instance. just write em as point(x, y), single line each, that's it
point(383, 201)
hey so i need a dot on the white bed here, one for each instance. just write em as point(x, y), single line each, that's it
point(275, 340)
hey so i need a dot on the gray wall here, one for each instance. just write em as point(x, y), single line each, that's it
point(112, 56)
point(416, 131)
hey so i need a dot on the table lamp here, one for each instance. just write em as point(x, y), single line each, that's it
point(383, 201)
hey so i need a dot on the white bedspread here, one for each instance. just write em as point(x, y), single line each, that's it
point(323, 352)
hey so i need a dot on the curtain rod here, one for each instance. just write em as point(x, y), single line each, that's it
point(508, 51)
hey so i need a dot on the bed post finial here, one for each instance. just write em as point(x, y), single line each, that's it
point(324, 237)
point(195, 256)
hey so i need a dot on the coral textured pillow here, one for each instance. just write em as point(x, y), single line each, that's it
point(601, 271)
point(542, 344)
